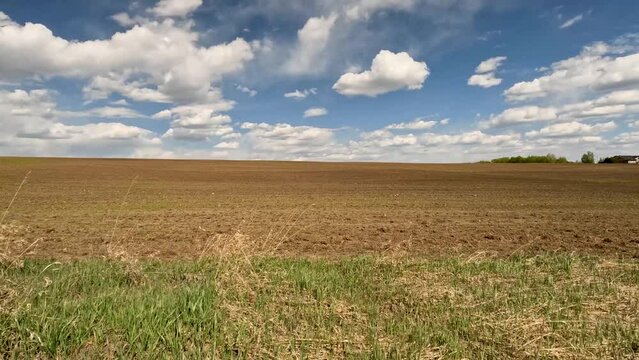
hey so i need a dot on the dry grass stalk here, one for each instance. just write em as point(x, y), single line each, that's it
point(117, 251)
point(13, 250)
point(12, 253)
point(6, 211)
point(126, 196)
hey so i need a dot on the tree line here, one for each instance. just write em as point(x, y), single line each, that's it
point(586, 158)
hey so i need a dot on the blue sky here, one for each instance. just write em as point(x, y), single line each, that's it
point(356, 80)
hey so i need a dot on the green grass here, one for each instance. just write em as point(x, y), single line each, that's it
point(357, 308)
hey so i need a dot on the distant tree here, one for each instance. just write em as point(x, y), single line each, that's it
point(546, 159)
point(588, 158)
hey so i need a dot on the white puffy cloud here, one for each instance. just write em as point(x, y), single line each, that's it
point(485, 73)
point(520, 115)
point(599, 67)
point(162, 115)
point(5, 20)
point(572, 21)
point(307, 56)
point(490, 65)
point(484, 80)
point(391, 141)
point(25, 110)
point(196, 123)
point(614, 104)
point(33, 125)
point(621, 97)
point(572, 129)
point(389, 72)
point(125, 20)
point(477, 137)
point(246, 90)
point(154, 61)
point(88, 132)
point(383, 144)
point(289, 141)
point(300, 94)
point(315, 112)
point(101, 87)
point(417, 124)
point(177, 8)
point(470, 138)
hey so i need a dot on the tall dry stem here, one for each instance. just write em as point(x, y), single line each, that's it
point(119, 252)
point(126, 196)
point(15, 196)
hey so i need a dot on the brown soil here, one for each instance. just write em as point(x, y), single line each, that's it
point(321, 209)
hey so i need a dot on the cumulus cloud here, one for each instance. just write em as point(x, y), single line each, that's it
point(599, 67)
point(485, 73)
point(33, 125)
point(196, 123)
point(520, 115)
point(289, 141)
point(162, 115)
point(389, 141)
point(175, 8)
point(300, 94)
point(470, 138)
point(417, 124)
point(5, 20)
point(614, 104)
point(246, 90)
point(389, 72)
point(484, 80)
point(101, 87)
point(315, 112)
point(307, 56)
point(125, 20)
point(384, 144)
point(87, 132)
point(155, 61)
point(572, 129)
point(490, 65)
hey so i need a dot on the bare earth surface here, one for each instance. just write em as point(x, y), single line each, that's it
point(76, 206)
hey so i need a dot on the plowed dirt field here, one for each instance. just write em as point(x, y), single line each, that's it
point(75, 207)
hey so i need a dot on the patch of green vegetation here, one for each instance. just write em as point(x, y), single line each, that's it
point(541, 159)
point(356, 308)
